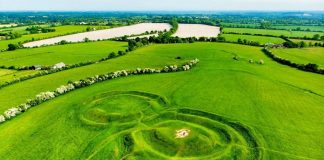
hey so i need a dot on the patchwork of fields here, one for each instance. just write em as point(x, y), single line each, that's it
point(59, 31)
point(236, 103)
point(19, 29)
point(68, 54)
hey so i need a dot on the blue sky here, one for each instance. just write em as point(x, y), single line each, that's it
point(180, 5)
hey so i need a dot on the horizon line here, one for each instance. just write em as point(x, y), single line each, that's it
point(161, 10)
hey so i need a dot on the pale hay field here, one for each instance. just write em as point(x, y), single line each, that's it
point(104, 34)
point(196, 30)
point(8, 25)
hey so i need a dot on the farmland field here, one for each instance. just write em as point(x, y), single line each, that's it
point(260, 39)
point(306, 41)
point(240, 25)
point(7, 75)
point(69, 54)
point(272, 32)
point(196, 30)
point(104, 34)
point(311, 28)
point(7, 25)
point(302, 56)
point(60, 30)
point(230, 108)
point(18, 29)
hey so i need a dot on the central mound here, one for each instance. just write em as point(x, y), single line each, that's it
point(163, 138)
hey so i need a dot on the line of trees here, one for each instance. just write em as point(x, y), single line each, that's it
point(10, 35)
point(302, 44)
point(247, 42)
point(315, 37)
point(138, 42)
point(310, 67)
point(39, 29)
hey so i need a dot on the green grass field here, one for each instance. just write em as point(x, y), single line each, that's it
point(18, 29)
point(306, 41)
point(232, 109)
point(302, 56)
point(272, 32)
point(7, 75)
point(260, 39)
point(243, 25)
point(311, 28)
point(69, 54)
point(60, 30)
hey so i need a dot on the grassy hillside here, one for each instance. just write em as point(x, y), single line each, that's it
point(260, 39)
point(302, 56)
point(69, 54)
point(272, 32)
point(235, 109)
point(9, 75)
point(60, 30)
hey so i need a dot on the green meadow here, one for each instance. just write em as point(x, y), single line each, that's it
point(272, 32)
point(302, 56)
point(69, 54)
point(229, 109)
point(242, 25)
point(307, 41)
point(60, 30)
point(7, 75)
point(19, 29)
point(260, 39)
point(311, 28)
